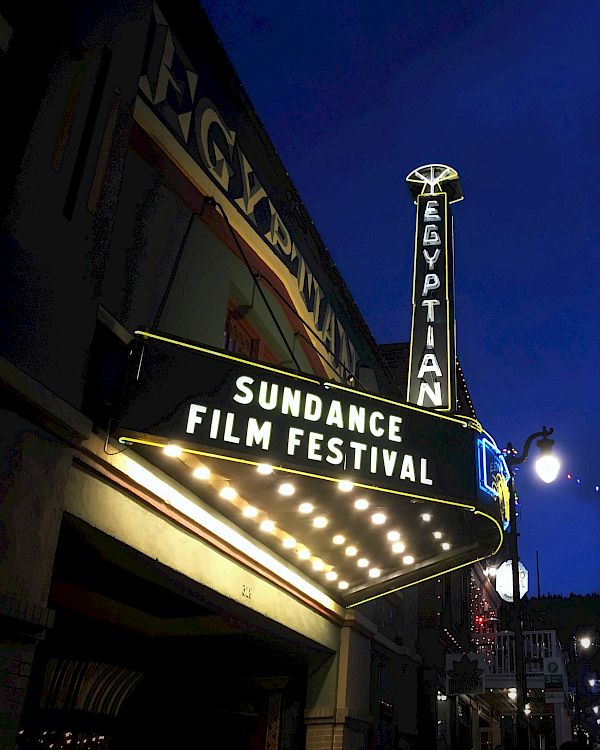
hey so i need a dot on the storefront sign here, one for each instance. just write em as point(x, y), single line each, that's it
point(464, 674)
point(221, 142)
point(218, 404)
point(554, 680)
point(553, 673)
point(432, 369)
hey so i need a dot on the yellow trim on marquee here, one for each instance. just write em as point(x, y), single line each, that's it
point(225, 355)
point(439, 573)
point(124, 440)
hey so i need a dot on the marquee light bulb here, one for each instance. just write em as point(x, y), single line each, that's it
point(344, 485)
point(408, 559)
point(289, 542)
point(343, 585)
point(228, 493)
point(547, 467)
point(585, 641)
point(172, 450)
point(361, 504)
point(303, 553)
point(393, 536)
point(267, 525)
point(374, 573)
point(437, 534)
point(320, 522)
point(445, 546)
point(201, 472)
point(331, 575)
point(264, 469)
point(378, 518)
point(362, 562)
point(398, 547)
point(426, 517)
point(339, 539)
point(306, 507)
point(318, 565)
point(351, 551)
point(250, 511)
point(286, 489)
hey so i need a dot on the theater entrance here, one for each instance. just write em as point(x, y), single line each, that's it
point(142, 657)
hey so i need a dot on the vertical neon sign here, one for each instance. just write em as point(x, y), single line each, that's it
point(432, 364)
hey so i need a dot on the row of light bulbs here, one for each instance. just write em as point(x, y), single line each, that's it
point(287, 489)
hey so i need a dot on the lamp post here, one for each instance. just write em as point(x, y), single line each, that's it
point(547, 467)
point(580, 643)
point(577, 696)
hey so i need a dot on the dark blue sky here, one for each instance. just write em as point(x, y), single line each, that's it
point(354, 96)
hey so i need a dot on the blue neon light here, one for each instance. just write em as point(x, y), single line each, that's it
point(490, 462)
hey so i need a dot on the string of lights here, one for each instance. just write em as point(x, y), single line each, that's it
point(571, 476)
point(579, 481)
point(483, 621)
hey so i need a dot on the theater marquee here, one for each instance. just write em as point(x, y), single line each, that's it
point(365, 469)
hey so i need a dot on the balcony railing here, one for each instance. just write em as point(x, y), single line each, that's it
point(537, 645)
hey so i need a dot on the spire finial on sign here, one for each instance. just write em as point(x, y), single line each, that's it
point(435, 178)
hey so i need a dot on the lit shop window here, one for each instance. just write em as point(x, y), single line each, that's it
point(241, 337)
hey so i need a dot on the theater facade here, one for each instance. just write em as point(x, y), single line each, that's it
point(217, 501)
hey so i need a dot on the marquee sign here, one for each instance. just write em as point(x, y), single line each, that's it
point(406, 463)
point(465, 674)
point(227, 406)
point(432, 369)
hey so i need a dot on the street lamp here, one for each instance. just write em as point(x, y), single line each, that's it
point(580, 644)
point(547, 467)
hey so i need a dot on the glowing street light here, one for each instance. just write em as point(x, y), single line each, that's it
point(581, 643)
point(547, 467)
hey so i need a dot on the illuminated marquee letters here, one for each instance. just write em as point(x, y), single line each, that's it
point(311, 444)
point(431, 369)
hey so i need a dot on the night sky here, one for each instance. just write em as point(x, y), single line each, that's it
point(357, 94)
